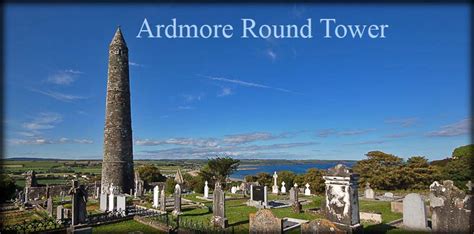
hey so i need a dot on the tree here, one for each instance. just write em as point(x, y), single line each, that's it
point(459, 170)
point(382, 171)
point(250, 178)
point(314, 177)
point(287, 176)
point(7, 186)
point(170, 183)
point(463, 151)
point(421, 173)
point(264, 178)
point(218, 169)
point(149, 173)
point(194, 183)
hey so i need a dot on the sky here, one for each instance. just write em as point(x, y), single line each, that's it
point(406, 94)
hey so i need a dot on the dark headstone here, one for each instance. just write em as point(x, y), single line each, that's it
point(258, 193)
point(79, 202)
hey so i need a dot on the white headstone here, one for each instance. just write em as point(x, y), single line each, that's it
point(111, 202)
point(283, 188)
point(103, 202)
point(121, 203)
point(389, 194)
point(156, 192)
point(233, 189)
point(414, 212)
point(275, 185)
point(369, 193)
point(265, 198)
point(206, 190)
point(307, 192)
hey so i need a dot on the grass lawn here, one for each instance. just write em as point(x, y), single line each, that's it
point(124, 227)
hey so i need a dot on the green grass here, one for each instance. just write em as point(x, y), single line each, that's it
point(382, 207)
point(125, 227)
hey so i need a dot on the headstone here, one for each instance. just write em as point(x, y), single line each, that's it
point(388, 195)
point(27, 190)
point(251, 192)
point(139, 185)
point(163, 200)
point(156, 194)
point(275, 185)
point(307, 191)
point(233, 190)
point(67, 213)
point(79, 202)
point(283, 188)
point(342, 201)
point(265, 222)
point(265, 196)
point(49, 206)
point(450, 209)
point(60, 212)
point(218, 207)
point(97, 192)
point(61, 194)
point(258, 193)
point(396, 207)
point(111, 202)
point(121, 204)
point(206, 190)
point(369, 192)
point(414, 213)
point(318, 226)
point(293, 194)
point(103, 202)
point(30, 179)
point(177, 200)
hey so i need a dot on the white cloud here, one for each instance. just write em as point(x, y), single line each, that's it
point(271, 54)
point(44, 141)
point(247, 84)
point(403, 122)
point(44, 120)
point(352, 132)
point(225, 92)
point(135, 64)
point(59, 96)
point(65, 77)
point(461, 127)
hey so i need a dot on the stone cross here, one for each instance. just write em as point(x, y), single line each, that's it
point(307, 192)
point(79, 202)
point(414, 213)
point(206, 190)
point(283, 188)
point(163, 200)
point(341, 198)
point(218, 207)
point(275, 185)
point(156, 194)
point(177, 200)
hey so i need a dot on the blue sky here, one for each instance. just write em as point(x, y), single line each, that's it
point(407, 94)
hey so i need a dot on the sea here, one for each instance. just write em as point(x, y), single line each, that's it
point(297, 168)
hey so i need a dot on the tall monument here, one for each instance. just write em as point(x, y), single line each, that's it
point(117, 165)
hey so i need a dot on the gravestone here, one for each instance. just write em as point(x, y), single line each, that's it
point(368, 192)
point(163, 200)
point(233, 190)
point(156, 194)
point(450, 209)
point(27, 190)
point(30, 179)
point(97, 192)
point(60, 212)
point(265, 222)
point(341, 204)
point(206, 190)
point(218, 207)
point(283, 188)
point(67, 213)
point(388, 195)
point(79, 202)
point(177, 200)
point(307, 191)
point(414, 213)
point(49, 206)
point(103, 202)
point(293, 194)
point(318, 226)
point(61, 194)
point(275, 185)
point(139, 184)
point(122, 204)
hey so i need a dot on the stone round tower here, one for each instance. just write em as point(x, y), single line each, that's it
point(117, 165)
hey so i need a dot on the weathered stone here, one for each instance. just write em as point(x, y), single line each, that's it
point(265, 222)
point(30, 179)
point(320, 226)
point(139, 185)
point(275, 185)
point(103, 202)
point(371, 217)
point(451, 209)
point(60, 212)
point(177, 200)
point(218, 207)
point(294, 194)
point(414, 213)
point(396, 207)
point(388, 195)
point(79, 202)
point(121, 204)
point(117, 165)
point(49, 206)
point(342, 201)
point(163, 200)
point(369, 192)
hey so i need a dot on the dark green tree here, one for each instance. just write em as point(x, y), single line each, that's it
point(287, 176)
point(7, 186)
point(382, 171)
point(264, 178)
point(218, 169)
point(459, 167)
point(149, 173)
point(169, 187)
point(463, 151)
point(314, 177)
